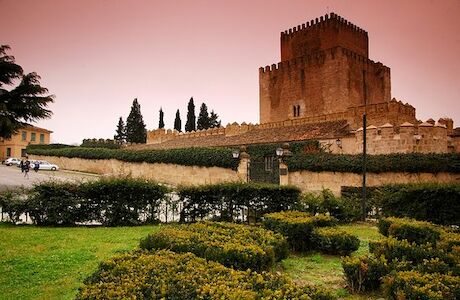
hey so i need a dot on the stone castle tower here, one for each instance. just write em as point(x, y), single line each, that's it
point(324, 69)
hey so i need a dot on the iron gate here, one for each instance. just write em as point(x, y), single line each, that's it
point(266, 170)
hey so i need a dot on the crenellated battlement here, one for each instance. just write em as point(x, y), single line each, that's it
point(323, 22)
point(405, 138)
point(319, 58)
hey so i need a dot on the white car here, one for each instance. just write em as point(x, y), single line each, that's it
point(12, 161)
point(44, 165)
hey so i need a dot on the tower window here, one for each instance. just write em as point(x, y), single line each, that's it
point(296, 110)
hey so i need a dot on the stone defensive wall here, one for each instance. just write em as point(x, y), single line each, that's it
point(165, 173)
point(323, 33)
point(324, 82)
point(176, 175)
point(427, 137)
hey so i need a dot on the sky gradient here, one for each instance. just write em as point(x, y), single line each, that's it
point(97, 56)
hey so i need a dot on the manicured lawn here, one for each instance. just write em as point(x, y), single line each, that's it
point(51, 263)
point(326, 270)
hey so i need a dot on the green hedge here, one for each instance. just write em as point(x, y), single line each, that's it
point(168, 275)
point(297, 227)
point(233, 245)
point(410, 163)
point(436, 203)
point(394, 249)
point(113, 202)
point(33, 147)
point(228, 200)
point(206, 157)
point(326, 203)
point(331, 240)
point(418, 232)
point(364, 274)
point(415, 285)
point(13, 203)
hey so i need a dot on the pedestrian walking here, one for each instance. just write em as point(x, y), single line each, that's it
point(36, 166)
point(21, 165)
point(26, 169)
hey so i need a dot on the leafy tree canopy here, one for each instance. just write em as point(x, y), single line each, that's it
point(120, 133)
point(20, 103)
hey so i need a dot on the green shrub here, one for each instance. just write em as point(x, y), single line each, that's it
point(233, 245)
point(414, 231)
point(449, 240)
point(14, 203)
point(54, 203)
point(297, 227)
point(326, 203)
point(206, 157)
point(364, 274)
point(436, 203)
point(410, 163)
point(228, 200)
point(415, 285)
point(113, 202)
point(122, 201)
point(334, 241)
point(394, 249)
point(46, 146)
point(168, 275)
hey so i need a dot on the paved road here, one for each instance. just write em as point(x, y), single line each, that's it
point(12, 177)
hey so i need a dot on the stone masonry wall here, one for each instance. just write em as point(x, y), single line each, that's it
point(164, 173)
point(316, 181)
point(323, 33)
point(323, 83)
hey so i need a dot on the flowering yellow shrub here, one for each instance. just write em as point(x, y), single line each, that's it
point(167, 275)
point(234, 245)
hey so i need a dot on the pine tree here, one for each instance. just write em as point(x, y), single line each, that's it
point(214, 120)
point(190, 124)
point(161, 124)
point(178, 122)
point(203, 118)
point(120, 133)
point(135, 127)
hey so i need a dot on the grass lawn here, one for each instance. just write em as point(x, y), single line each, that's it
point(51, 263)
point(326, 270)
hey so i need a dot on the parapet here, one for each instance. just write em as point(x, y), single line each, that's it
point(331, 19)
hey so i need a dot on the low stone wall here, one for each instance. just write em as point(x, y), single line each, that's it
point(316, 181)
point(164, 173)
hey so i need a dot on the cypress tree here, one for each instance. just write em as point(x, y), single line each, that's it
point(214, 120)
point(178, 122)
point(203, 118)
point(120, 133)
point(135, 126)
point(190, 124)
point(161, 124)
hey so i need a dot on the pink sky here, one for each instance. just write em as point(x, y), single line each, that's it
point(97, 56)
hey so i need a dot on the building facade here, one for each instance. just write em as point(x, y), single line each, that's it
point(28, 135)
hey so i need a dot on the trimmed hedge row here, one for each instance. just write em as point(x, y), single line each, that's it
point(205, 157)
point(411, 230)
point(305, 232)
point(436, 203)
point(331, 240)
point(432, 259)
point(316, 162)
point(233, 245)
point(112, 202)
point(415, 285)
point(167, 275)
point(228, 200)
point(410, 163)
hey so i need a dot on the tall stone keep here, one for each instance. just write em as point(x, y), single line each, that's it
point(324, 69)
